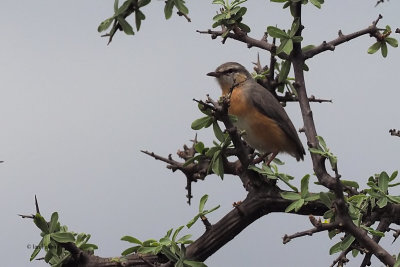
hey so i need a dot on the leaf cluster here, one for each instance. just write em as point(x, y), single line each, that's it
point(169, 245)
point(53, 234)
point(324, 151)
point(216, 152)
point(382, 42)
point(230, 16)
point(300, 198)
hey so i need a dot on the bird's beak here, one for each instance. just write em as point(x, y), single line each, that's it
point(214, 74)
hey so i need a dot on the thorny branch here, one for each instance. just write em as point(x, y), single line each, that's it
point(318, 227)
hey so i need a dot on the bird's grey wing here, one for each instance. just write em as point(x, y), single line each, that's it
point(268, 105)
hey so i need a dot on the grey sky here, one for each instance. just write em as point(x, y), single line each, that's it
point(76, 112)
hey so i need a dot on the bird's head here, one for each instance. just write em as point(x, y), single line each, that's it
point(229, 75)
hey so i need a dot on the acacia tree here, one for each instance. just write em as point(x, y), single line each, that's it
point(347, 210)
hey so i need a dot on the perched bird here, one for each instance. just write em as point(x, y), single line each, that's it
point(267, 126)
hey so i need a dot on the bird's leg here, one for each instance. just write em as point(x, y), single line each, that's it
point(271, 158)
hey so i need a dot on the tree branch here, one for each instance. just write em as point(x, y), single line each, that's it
point(372, 30)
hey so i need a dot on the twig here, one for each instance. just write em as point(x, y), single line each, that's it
point(341, 259)
point(342, 38)
point(394, 132)
point(245, 39)
point(184, 15)
point(292, 98)
point(206, 223)
point(396, 234)
point(146, 261)
point(380, 2)
point(318, 227)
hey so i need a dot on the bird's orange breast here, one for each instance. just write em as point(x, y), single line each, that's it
point(262, 132)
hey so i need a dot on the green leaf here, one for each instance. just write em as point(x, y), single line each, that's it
point(394, 199)
point(63, 237)
point(193, 221)
point(180, 4)
point(297, 39)
point(203, 201)
point(89, 247)
point(147, 250)
point(176, 232)
point(104, 25)
point(324, 197)
point(354, 252)
point(284, 70)
point(392, 42)
point(291, 207)
point(316, 3)
point(130, 250)
point(244, 27)
point(218, 132)
point(201, 123)
point(332, 233)
point(194, 263)
point(126, 27)
point(277, 33)
point(185, 239)
point(397, 263)
point(131, 239)
point(316, 151)
point(41, 223)
point(169, 5)
point(304, 186)
point(150, 242)
point(217, 164)
point(393, 176)
point(350, 183)
point(219, 2)
point(199, 147)
point(347, 241)
point(116, 4)
point(296, 206)
point(36, 251)
point(219, 17)
point(375, 47)
point(322, 142)
point(286, 46)
point(383, 182)
point(143, 3)
point(295, 27)
point(335, 248)
point(307, 48)
point(46, 241)
point(290, 195)
point(139, 16)
point(211, 210)
point(312, 197)
point(384, 49)
point(299, 204)
point(329, 214)
point(168, 253)
point(53, 222)
point(373, 231)
point(382, 202)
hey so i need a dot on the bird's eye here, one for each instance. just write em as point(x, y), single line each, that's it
point(230, 70)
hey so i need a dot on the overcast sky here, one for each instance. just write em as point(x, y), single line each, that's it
point(76, 112)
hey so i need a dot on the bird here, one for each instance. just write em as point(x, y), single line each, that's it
point(259, 114)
